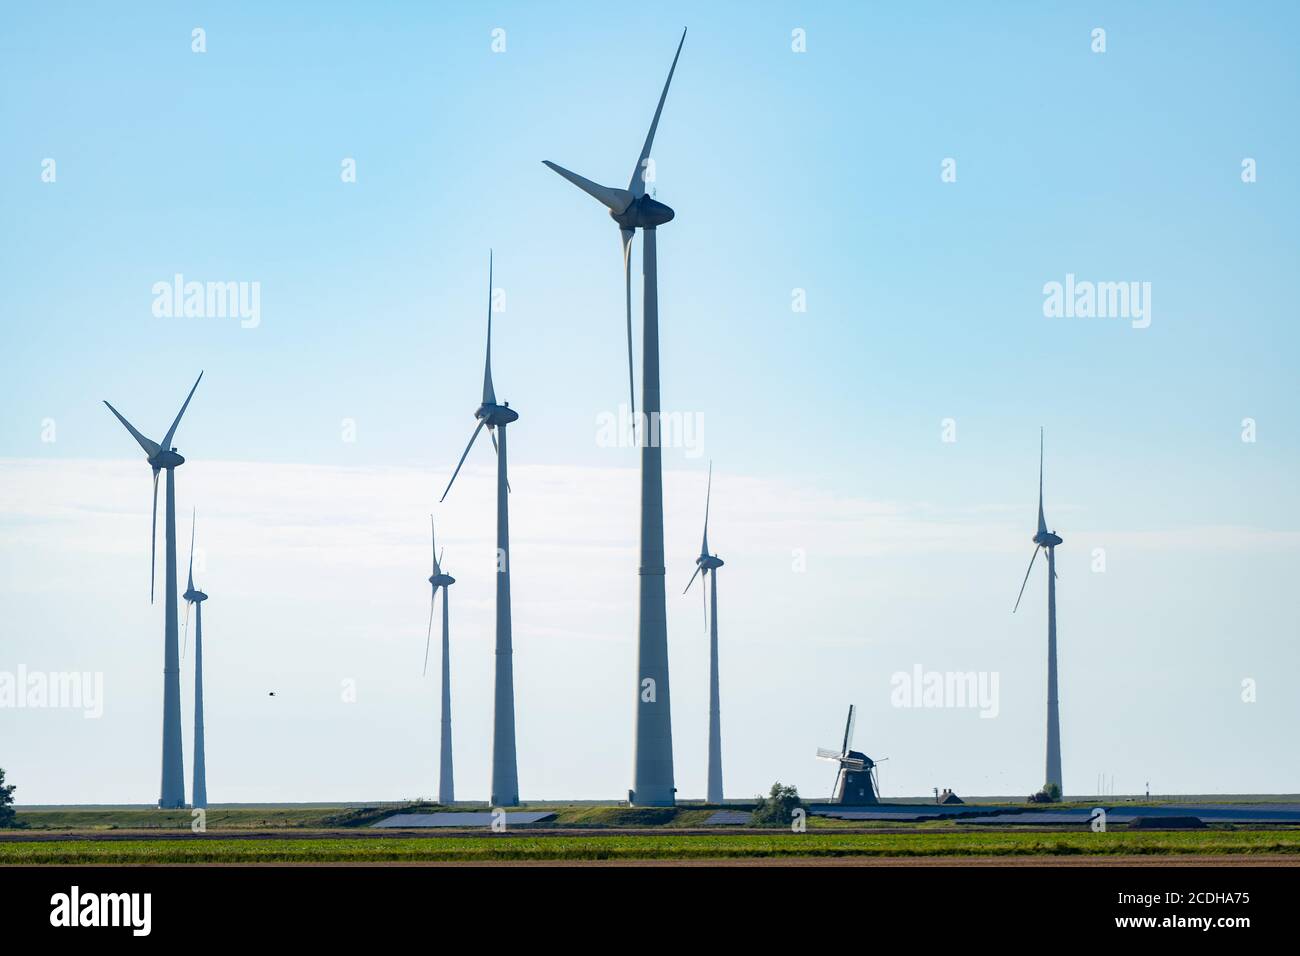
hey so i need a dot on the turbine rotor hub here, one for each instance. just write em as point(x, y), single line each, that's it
point(167, 459)
point(494, 415)
point(645, 213)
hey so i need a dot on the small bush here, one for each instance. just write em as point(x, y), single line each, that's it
point(1050, 793)
point(777, 808)
point(8, 816)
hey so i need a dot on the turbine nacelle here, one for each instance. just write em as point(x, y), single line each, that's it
point(492, 415)
point(644, 213)
point(194, 596)
point(441, 580)
point(1047, 539)
point(166, 459)
point(709, 562)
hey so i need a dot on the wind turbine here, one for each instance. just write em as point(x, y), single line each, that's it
point(705, 564)
point(446, 785)
point(631, 209)
point(505, 773)
point(163, 456)
point(199, 795)
point(1045, 540)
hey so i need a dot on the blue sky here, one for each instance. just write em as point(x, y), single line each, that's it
point(817, 171)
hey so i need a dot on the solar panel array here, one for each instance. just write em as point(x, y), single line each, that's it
point(450, 818)
point(728, 818)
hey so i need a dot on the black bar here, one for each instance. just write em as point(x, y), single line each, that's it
point(926, 902)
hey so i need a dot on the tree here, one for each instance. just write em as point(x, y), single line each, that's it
point(8, 818)
point(777, 808)
point(1051, 793)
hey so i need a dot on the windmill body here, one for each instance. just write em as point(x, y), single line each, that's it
point(707, 564)
point(855, 780)
point(632, 209)
point(1045, 540)
point(495, 417)
point(441, 579)
point(194, 597)
point(161, 456)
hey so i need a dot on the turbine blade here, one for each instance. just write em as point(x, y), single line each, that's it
point(186, 640)
point(153, 536)
point(477, 429)
point(489, 396)
point(627, 235)
point(1026, 580)
point(493, 436)
point(615, 200)
point(692, 580)
point(1042, 524)
point(150, 447)
point(848, 731)
point(428, 637)
point(433, 541)
point(193, 516)
point(167, 442)
point(708, 495)
point(704, 600)
point(637, 186)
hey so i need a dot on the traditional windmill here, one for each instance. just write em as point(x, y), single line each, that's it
point(855, 782)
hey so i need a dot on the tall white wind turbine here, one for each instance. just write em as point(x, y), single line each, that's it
point(1045, 540)
point(440, 579)
point(163, 456)
point(505, 773)
point(708, 564)
point(632, 209)
point(193, 596)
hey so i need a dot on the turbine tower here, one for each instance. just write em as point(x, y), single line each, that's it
point(708, 565)
point(446, 785)
point(1045, 540)
point(631, 209)
point(163, 456)
point(505, 773)
point(193, 596)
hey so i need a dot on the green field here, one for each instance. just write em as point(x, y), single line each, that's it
point(594, 816)
point(616, 847)
point(240, 818)
point(257, 818)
